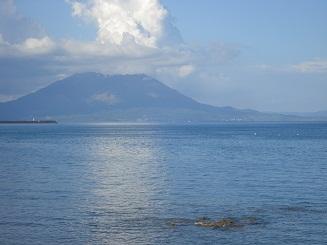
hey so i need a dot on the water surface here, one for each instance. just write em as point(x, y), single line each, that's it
point(123, 184)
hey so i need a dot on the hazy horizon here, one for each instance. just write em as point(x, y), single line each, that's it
point(267, 56)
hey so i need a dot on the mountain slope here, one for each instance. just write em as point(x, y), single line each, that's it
point(97, 97)
point(318, 115)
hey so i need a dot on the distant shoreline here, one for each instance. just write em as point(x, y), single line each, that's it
point(29, 122)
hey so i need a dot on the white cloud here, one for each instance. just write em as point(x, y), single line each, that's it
point(106, 97)
point(185, 70)
point(35, 46)
point(132, 38)
point(29, 47)
point(314, 66)
point(20, 36)
point(142, 21)
point(311, 66)
point(77, 7)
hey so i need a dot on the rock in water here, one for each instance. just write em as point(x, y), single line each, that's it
point(224, 223)
point(215, 224)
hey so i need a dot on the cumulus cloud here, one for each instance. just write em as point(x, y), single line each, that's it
point(29, 47)
point(137, 32)
point(34, 46)
point(125, 29)
point(137, 28)
point(141, 21)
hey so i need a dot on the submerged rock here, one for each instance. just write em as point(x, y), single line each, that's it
point(206, 222)
point(223, 223)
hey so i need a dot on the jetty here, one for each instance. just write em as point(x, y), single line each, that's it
point(29, 122)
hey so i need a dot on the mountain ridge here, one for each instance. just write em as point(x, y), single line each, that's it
point(97, 97)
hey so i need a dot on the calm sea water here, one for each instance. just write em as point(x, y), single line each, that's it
point(124, 184)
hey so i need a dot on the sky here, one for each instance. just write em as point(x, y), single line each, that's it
point(263, 55)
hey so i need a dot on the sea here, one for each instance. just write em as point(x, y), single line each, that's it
point(149, 183)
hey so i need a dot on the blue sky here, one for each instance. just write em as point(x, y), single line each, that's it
point(265, 55)
point(279, 30)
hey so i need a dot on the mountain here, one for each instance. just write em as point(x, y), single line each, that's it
point(318, 115)
point(135, 98)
